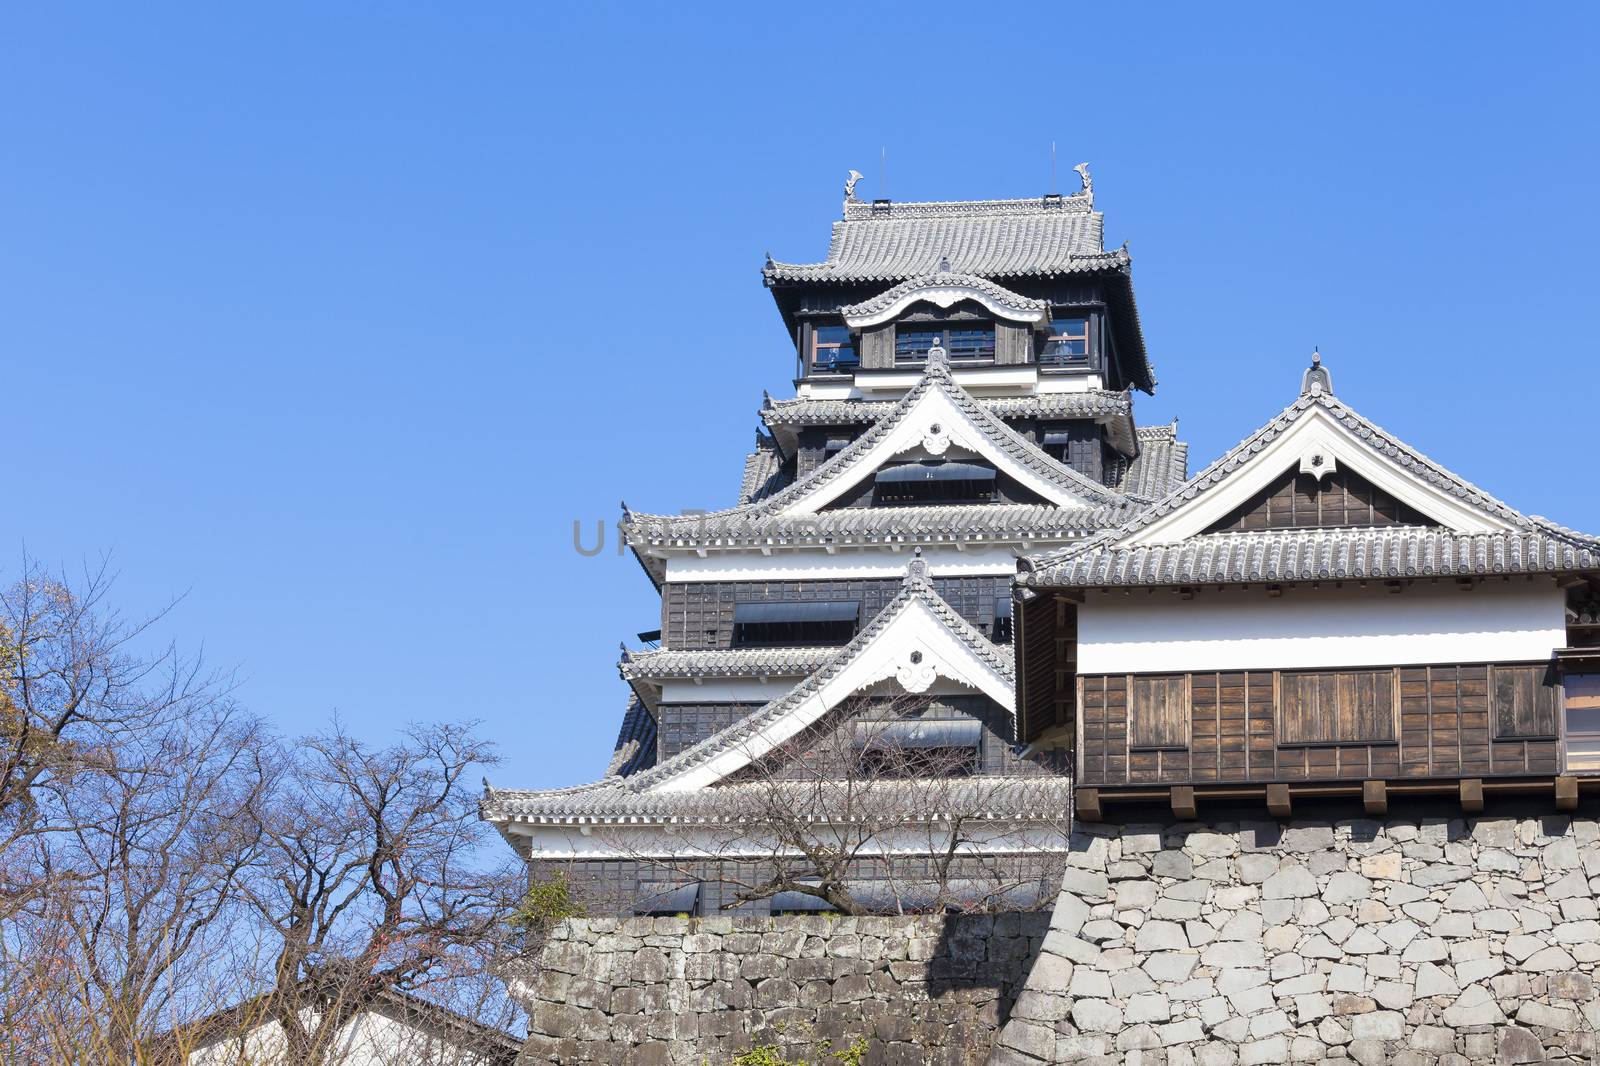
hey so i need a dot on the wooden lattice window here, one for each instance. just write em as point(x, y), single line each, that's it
point(833, 349)
point(1301, 501)
point(1583, 722)
point(1067, 342)
point(1158, 712)
point(1336, 707)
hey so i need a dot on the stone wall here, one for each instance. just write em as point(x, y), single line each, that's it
point(1428, 942)
point(657, 991)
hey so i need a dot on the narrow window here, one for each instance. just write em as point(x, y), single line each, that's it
point(1583, 722)
point(1158, 712)
point(798, 903)
point(1336, 707)
point(833, 351)
point(805, 623)
point(918, 747)
point(970, 342)
point(934, 481)
point(1067, 343)
point(1001, 633)
point(665, 900)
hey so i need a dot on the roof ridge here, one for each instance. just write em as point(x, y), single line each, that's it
point(1360, 428)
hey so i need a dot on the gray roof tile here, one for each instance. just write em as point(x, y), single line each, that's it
point(763, 471)
point(1533, 546)
point(991, 238)
point(627, 794)
point(763, 517)
point(1392, 552)
point(1161, 465)
point(635, 749)
point(999, 293)
point(1030, 796)
point(657, 664)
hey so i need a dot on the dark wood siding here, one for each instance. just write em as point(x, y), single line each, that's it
point(1524, 703)
point(1158, 713)
point(877, 347)
point(696, 615)
point(1013, 344)
point(1300, 501)
point(1442, 721)
point(1336, 707)
point(1047, 641)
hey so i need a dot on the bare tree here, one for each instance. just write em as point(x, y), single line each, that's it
point(157, 843)
point(879, 793)
point(73, 687)
point(373, 881)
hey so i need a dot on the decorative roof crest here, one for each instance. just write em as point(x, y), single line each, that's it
point(917, 570)
point(937, 356)
point(1316, 381)
point(1088, 182)
point(850, 185)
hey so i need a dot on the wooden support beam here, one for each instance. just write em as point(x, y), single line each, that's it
point(1278, 801)
point(1183, 806)
point(1375, 797)
point(1086, 805)
point(1566, 793)
point(1472, 795)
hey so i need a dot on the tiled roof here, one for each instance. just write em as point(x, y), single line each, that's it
point(1096, 403)
point(1161, 465)
point(763, 471)
point(623, 794)
point(1321, 555)
point(1533, 546)
point(942, 278)
point(990, 238)
point(764, 517)
point(1030, 796)
point(636, 742)
point(871, 525)
point(663, 663)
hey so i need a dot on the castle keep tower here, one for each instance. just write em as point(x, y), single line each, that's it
point(964, 389)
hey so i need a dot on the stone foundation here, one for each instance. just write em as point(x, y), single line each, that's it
point(1431, 942)
point(663, 991)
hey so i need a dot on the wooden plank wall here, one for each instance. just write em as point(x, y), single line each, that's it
point(1448, 725)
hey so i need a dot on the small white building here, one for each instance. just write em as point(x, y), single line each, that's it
point(397, 1030)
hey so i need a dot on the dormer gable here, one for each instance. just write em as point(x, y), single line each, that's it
point(946, 290)
point(1404, 516)
point(916, 640)
point(1320, 464)
point(935, 420)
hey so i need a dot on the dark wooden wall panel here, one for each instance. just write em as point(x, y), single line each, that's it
point(1448, 721)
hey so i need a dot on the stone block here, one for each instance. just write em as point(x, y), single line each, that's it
point(1160, 936)
point(1292, 881)
point(1096, 1016)
point(1274, 1049)
point(1378, 1025)
point(1475, 1006)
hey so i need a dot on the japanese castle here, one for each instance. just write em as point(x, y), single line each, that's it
point(1323, 612)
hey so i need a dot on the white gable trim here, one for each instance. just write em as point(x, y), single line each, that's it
point(1315, 435)
point(914, 629)
point(933, 424)
point(948, 296)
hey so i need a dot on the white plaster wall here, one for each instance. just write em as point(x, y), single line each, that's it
point(1245, 629)
point(819, 565)
point(370, 1039)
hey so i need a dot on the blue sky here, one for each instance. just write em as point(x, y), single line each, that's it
point(331, 319)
